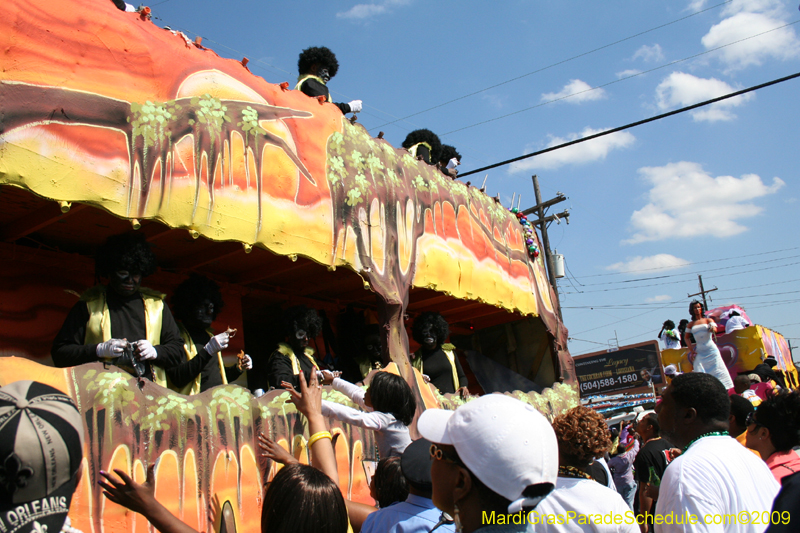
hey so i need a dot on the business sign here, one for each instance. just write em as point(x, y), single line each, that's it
point(624, 370)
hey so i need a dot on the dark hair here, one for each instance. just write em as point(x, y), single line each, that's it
point(192, 292)
point(391, 394)
point(128, 251)
point(301, 499)
point(424, 135)
point(704, 393)
point(436, 320)
point(304, 318)
point(742, 379)
point(447, 153)
point(683, 322)
point(669, 324)
point(702, 308)
point(652, 420)
point(740, 408)
point(582, 435)
point(317, 55)
point(780, 414)
point(390, 483)
point(734, 313)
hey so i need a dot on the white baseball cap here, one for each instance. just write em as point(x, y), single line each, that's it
point(507, 444)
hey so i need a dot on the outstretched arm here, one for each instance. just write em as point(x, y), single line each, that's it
point(309, 402)
point(140, 498)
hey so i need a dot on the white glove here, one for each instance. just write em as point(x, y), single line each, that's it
point(217, 343)
point(145, 351)
point(453, 163)
point(111, 348)
point(355, 106)
point(246, 363)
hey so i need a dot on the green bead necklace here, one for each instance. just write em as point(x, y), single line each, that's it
point(709, 434)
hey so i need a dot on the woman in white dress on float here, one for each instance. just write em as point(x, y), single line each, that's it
point(707, 357)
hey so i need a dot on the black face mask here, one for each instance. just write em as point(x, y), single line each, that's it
point(124, 282)
point(324, 74)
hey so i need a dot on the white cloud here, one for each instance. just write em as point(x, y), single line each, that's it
point(686, 201)
point(628, 73)
point(365, 11)
point(680, 89)
point(581, 90)
point(649, 54)
point(658, 298)
point(649, 263)
point(696, 5)
point(745, 18)
point(495, 101)
point(577, 154)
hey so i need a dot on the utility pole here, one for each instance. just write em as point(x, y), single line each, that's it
point(542, 223)
point(703, 292)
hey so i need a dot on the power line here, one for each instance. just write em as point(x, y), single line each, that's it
point(689, 264)
point(665, 276)
point(627, 126)
point(553, 65)
point(692, 274)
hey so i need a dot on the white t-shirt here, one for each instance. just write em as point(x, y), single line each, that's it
point(391, 435)
point(583, 500)
point(670, 343)
point(715, 477)
point(734, 323)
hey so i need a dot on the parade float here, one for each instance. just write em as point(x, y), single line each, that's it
point(109, 123)
point(742, 349)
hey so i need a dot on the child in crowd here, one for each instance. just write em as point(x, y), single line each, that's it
point(388, 404)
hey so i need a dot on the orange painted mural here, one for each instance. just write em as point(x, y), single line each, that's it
point(113, 111)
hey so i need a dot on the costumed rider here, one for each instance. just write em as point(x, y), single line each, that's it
point(301, 324)
point(669, 336)
point(423, 144)
point(120, 321)
point(196, 304)
point(317, 65)
point(449, 159)
point(435, 359)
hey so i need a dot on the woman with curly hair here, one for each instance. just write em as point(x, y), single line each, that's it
point(773, 430)
point(120, 320)
point(300, 325)
point(435, 359)
point(317, 65)
point(582, 436)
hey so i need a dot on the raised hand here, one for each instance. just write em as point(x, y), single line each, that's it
point(138, 497)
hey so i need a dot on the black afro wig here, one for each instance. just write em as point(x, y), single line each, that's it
point(426, 136)
point(317, 55)
point(192, 293)
point(448, 152)
point(128, 251)
point(433, 318)
point(301, 317)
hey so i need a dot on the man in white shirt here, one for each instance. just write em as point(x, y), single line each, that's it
point(735, 321)
point(716, 485)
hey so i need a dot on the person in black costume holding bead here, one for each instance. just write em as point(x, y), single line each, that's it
point(436, 359)
point(120, 321)
point(196, 304)
point(449, 159)
point(317, 65)
point(301, 324)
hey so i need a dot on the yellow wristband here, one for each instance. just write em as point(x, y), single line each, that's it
point(319, 435)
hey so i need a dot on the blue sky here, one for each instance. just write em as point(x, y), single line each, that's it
point(712, 192)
